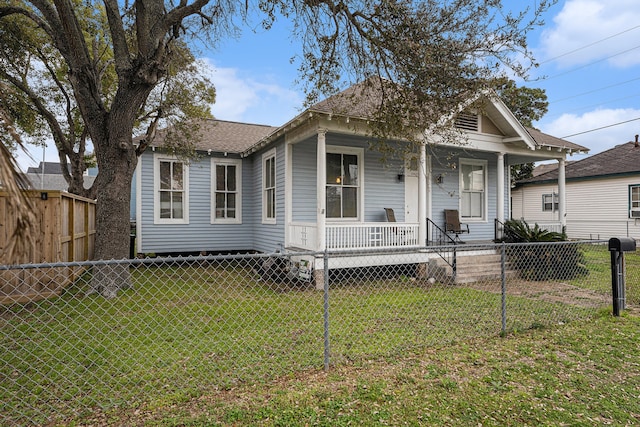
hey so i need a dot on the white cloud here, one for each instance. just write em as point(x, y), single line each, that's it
point(600, 140)
point(583, 22)
point(252, 99)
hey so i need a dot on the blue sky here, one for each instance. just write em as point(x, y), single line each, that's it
point(588, 50)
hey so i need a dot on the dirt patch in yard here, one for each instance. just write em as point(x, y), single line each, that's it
point(548, 291)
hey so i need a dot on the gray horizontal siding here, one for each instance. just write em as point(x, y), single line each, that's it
point(445, 161)
point(304, 192)
point(199, 234)
point(268, 237)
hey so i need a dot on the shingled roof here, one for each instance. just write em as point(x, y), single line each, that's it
point(623, 159)
point(224, 136)
point(363, 99)
point(546, 140)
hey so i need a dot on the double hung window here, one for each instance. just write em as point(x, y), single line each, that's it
point(171, 199)
point(227, 191)
point(269, 187)
point(343, 183)
point(473, 186)
point(634, 201)
point(550, 202)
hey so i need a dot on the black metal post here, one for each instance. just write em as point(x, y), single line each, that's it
point(615, 281)
point(617, 247)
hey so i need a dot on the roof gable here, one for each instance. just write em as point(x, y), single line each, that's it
point(362, 101)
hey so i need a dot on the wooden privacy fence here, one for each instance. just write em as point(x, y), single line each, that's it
point(64, 231)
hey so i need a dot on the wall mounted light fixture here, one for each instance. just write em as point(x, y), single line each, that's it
point(439, 179)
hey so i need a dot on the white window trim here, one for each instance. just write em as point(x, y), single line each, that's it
point(485, 166)
point(357, 151)
point(634, 213)
point(238, 164)
point(271, 154)
point(157, 158)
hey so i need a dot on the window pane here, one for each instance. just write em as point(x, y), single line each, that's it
point(178, 177)
point(221, 182)
point(477, 181)
point(231, 178)
point(334, 194)
point(349, 202)
point(165, 175)
point(466, 171)
point(270, 173)
point(465, 199)
point(334, 168)
point(476, 205)
point(350, 169)
point(231, 201)
point(271, 209)
point(220, 205)
point(635, 197)
point(165, 204)
point(177, 205)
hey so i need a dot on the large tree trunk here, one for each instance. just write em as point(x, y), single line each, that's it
point(116, 164)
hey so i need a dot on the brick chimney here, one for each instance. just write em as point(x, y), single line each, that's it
point(636, 144)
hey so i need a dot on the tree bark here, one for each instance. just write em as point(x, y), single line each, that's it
point(117, 161)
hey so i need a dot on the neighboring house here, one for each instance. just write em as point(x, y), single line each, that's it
point(48, 176)
point(315, 183)
point(602, 195)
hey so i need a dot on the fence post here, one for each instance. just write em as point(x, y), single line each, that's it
point(326, 310)
point(617, 247)
point(503, 276)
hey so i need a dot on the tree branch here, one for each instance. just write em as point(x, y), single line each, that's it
point(118, 35)
point(39, 105)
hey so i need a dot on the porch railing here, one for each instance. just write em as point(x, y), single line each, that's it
point(499, 227)
point(379, 235)
point(436, 236)
point(371, 235)
point(303, 235)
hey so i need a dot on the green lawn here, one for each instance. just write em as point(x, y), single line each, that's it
point(185, 333)
point(598, 261)
point(581, 374)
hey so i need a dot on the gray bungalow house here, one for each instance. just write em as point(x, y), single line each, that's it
point(603, 196)
point(315, 183)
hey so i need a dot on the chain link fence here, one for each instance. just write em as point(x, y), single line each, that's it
point(180, 327)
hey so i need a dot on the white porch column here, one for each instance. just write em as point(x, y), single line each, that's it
point(321, 202)
point(562, 198)
point(422, 196)
point(500, 189)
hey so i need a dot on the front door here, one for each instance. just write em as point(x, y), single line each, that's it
point(411, 191)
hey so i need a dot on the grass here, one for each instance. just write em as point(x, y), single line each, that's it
point(580, 374)
point(598, 261)
point(185, 333)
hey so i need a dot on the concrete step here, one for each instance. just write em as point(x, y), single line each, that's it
point(470, 268)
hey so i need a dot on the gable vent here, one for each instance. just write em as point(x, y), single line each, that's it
point(467, 121)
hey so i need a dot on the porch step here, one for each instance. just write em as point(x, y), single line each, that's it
point(470, 268)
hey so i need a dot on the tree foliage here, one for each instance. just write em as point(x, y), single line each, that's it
point(94, 71)
point(527, 105)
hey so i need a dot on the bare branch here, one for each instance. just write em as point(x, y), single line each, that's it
point(118, 35)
